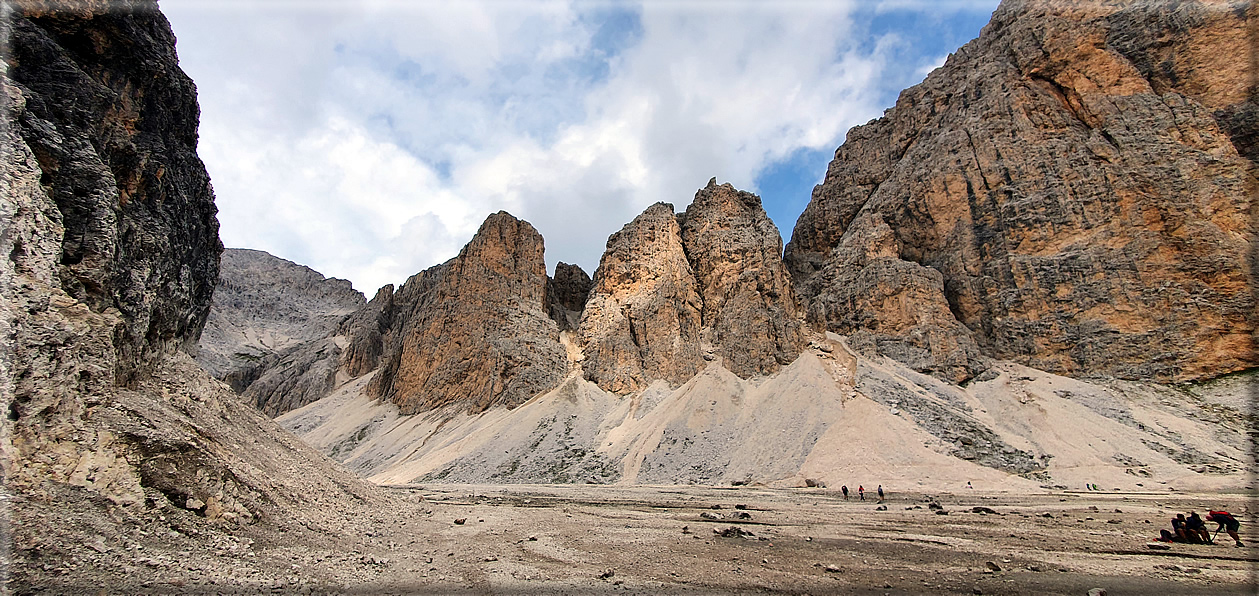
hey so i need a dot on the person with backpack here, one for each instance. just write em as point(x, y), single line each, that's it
point(861, 492)
point(880, 492)
point(844, 489)
point(1226, 519)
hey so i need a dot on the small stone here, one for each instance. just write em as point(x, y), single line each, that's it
point(833, 569)
point(1158, 546)
point(942, 512)
point(461, 521)
point(1097, 592)
point(992, 565)
point(1114, 521)
point(881, 508)
point(607, 574)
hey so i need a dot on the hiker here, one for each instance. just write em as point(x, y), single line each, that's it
point(1180, 529)
point(861, 492)
point(1225, 518)
point(880, 492)
point(1196, 528)
point(968, 485)
point(844, 489)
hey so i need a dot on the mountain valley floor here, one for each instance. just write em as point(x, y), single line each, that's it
point(580, 539)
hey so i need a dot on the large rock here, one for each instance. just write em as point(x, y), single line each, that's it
point(567, 293)
point(749, 313)
point(1075, 185)
point(111, 124)
point(642, 319)
point(672, 290)
point(111, 252)
point(476, 333)
point(264, 305)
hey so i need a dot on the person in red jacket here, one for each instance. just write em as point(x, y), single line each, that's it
point(1226, 519)
point(861, 492)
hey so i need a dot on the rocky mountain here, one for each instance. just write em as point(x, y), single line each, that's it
point(113, 434)
point(1070, 191)
point(672, 289)
point(475, 331)
point(264, 305)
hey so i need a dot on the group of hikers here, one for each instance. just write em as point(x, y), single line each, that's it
point(861, 492)
point(1193, 529)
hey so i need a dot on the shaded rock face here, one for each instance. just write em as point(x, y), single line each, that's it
point(673, 290)
point(475, 333)
point(264, 305)
point(111, 124)
point(1074, 185)
point(567, 293)
point(111, 250)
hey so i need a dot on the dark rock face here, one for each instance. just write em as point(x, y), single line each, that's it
point(112, 124)
point(476, 333)
point(673, 290)
point(567, 293)
point(111, 249)
point(263, 306)
point(1074, 185)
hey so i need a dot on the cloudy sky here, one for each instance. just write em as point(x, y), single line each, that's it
point(368, 140)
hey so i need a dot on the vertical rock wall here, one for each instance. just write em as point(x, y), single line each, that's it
point(1075, 185)
point(674, 290)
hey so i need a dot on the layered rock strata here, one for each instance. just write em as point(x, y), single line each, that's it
point(674, 290)
point(1074, 184)
point(478, 333)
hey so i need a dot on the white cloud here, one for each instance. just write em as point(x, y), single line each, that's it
point(369, 140)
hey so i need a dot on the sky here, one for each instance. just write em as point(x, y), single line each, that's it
point(368, 140)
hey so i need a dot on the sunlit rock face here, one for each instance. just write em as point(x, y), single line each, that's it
point(1074, 185)
point(672, 291)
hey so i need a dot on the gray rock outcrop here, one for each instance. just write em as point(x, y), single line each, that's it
point(264, 306)
point(1074, 185)
point(112, 253)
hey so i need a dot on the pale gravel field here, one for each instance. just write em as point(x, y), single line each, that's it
point(551, 539)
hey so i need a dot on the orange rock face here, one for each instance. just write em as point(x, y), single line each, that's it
point(474, 332)
point(1080, 179)
point(642, 319)
point(749, 313)
point(674, 290)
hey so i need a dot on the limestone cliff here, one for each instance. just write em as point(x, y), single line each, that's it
point(112, 251)
point(673, 290)
point(478, 333)
point(1074, 185)
point(642, 320)
point(748, 313)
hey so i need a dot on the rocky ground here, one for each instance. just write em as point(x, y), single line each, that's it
point(549, 539)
